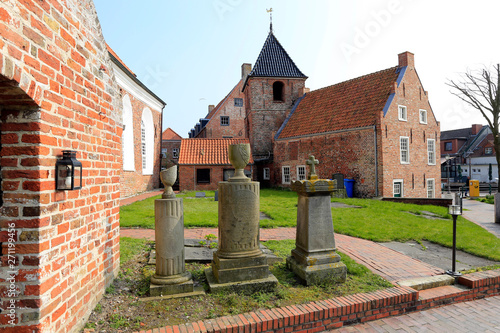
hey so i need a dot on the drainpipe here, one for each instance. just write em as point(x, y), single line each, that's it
point(376, 159)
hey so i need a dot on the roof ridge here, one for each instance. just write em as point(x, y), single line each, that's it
point(356, 78)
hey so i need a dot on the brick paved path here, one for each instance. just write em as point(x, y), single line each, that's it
point(390, 264)
point(475, 316)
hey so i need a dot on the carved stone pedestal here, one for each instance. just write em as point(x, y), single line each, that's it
point(171, 276)
point(314, 259)
point(239, 264)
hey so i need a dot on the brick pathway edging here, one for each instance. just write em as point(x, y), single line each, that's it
point(341, 311)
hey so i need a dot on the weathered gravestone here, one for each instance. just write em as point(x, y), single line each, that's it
point(314, 259)
point(171, 276)
point(239, 264)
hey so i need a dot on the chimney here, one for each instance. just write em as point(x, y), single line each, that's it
point(245, 70)
point(476, 128)
point(304, 91)
point(210, 108)
point(406, 59)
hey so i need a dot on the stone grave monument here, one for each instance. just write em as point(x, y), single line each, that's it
point(314, 259)
point(171, 276)
point(239, 264)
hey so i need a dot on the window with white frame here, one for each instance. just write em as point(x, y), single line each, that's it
point(301, 172)
point(430, 188)
point(397, 188)
point(402, 114)
point(143, 145)
point(267, 174)
point(431, 151)
point(404, 148)
point(164, 152)
point(285, 175)
point(175, 152)
point(423, 116)
point(488, 150)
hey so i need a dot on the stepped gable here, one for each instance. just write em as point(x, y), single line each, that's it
point(350, 104)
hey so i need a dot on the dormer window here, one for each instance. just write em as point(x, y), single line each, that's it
point(278, 91)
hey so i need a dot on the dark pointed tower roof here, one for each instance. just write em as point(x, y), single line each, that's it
point(274, 61)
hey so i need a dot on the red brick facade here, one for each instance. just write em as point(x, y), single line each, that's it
point(227, 120)
point(265, 115)
point(188, 174)
point(341, 125)
point(60, 249)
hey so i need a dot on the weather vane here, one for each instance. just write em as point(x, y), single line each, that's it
point(270, 11)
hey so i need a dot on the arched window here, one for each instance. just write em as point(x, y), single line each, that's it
point(128, 135)
point(278, 91)
point(147, 142)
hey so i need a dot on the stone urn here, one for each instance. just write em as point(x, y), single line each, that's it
point(168, 178)
point(239, 156)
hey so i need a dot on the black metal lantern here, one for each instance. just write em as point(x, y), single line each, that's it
point(454, 211)
point(68, 172)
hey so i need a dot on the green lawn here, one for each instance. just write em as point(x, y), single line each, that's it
point(376, 220)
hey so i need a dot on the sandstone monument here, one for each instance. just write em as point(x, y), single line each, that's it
point(314, 259)
point(171, 276)
point(239, 264)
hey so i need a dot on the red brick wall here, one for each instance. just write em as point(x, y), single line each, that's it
point(187, 177)
point(134, 182)
point(350, 153)
point(56, 93)
point(265, 115)
point(414, 175)
point(169, 160)
point(236, 114)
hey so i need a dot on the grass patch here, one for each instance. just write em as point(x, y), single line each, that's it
point(383, 221)
point(129, 247)
point(379, 221)
point(490, 199)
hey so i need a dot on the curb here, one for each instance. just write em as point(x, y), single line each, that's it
point(346, 310)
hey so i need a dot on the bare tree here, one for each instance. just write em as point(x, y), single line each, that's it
point(480, 90)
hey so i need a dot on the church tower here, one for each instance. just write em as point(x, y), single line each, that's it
point(271, 88)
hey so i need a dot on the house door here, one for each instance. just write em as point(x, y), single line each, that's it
point(398, 189)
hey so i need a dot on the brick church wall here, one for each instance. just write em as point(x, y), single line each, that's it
point(135, 182)
point(56, 92)
point(351, 153)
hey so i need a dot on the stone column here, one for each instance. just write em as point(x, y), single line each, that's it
point(314, 259)
point(239, 264)
point(171, 276)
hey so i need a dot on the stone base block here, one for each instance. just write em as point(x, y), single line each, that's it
point(241, 269)
point(251, 286)
point(318, 274)
point(428, 282)
point(315, 258)
point(171, 289)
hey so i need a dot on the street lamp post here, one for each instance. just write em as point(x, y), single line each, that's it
point(454, 211)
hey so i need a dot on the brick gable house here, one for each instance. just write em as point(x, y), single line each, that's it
point(59, 90)
point(203, 163)
point(170, 147)
point(378, 129)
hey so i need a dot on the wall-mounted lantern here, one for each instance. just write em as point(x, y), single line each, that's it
point(68, 172)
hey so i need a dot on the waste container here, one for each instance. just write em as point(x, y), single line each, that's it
point(349, 187)
point(474, 188)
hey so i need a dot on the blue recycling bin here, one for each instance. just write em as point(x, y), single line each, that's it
point(349, 187)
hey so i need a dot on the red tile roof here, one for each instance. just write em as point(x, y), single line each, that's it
point(110, 50)
point(169, 134)
point(350, 104)
point(207, 151)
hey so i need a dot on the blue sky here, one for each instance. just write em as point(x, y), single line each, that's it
point(190, 52)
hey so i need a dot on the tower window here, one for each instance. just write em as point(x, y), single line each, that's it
point(278, 91)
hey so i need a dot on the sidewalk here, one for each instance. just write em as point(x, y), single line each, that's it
point(482, 214)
